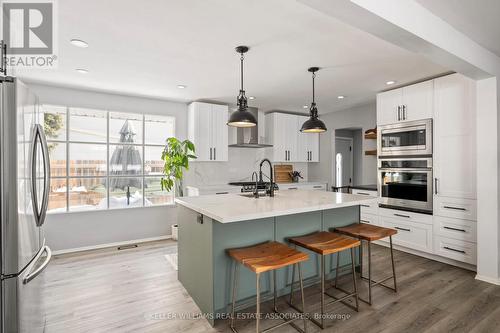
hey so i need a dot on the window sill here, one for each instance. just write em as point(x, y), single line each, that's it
point(169, 205)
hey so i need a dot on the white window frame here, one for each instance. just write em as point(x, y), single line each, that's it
point(107, 177)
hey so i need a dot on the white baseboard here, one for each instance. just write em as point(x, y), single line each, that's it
point(488, 279)
point(430, 256)
point(103, 246)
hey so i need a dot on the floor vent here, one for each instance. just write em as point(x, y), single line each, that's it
point(127, 247)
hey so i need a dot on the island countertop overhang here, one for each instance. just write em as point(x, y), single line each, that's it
point(227, 208)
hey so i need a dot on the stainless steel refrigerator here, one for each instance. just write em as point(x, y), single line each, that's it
point(25, 185)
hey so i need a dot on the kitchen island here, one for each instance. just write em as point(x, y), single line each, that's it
point(211, 224)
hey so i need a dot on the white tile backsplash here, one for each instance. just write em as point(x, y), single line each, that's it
point(239, 167)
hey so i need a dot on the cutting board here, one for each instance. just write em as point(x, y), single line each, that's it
point(282, 173)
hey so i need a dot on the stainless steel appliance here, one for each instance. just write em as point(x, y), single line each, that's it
point(405, 138)
point(405, 183)
point(24, 185)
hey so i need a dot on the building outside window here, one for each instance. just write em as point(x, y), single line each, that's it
point(105, 159)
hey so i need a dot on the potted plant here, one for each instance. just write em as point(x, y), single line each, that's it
point(176, 156)
point(295, 176)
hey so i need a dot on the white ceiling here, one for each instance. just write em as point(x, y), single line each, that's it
point(147, 48)
point(478, 19)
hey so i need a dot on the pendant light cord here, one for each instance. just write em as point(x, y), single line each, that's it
point(241, 60)
point(313, 75)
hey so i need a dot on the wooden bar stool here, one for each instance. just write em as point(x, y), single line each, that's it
point(325, 243)
point(369, 233)
point(262, 258)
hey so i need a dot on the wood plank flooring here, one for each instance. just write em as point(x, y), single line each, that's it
point(136, 290)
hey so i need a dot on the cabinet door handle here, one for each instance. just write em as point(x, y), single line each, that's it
point(435, 186)
point(285, 155)
point(452, 249)
point(210, 153)
point(455, 208)
point(455, 229)
point(399, 112)
point(215, 154)
point(404, 112)
point(401, 215)
point(403, 229)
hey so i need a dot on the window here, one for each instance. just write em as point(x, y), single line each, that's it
point(105, 159)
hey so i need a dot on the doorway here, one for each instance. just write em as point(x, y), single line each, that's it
point(343, 161)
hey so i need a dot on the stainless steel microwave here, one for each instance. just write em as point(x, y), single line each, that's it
point(405, 138)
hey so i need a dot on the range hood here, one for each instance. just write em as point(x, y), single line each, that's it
point(249, 137)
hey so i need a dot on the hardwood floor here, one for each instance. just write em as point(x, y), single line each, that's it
point(135, 290)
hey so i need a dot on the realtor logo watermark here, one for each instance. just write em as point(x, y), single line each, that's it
point(29, 31)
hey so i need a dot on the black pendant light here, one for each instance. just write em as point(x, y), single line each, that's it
point(242, 117)
point(313, 124)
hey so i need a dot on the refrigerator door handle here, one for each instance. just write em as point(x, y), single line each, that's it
point(31, 275)
point(39, 135)
point(46, 176)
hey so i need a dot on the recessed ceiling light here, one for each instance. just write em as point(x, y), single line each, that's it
point(251, 97)
point(82, 70)
point(306, 106)
point(340, 96)
point(79, 43)
point(390, 82)
point(181, 86)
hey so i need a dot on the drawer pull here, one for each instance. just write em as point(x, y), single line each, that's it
point(222, 193)
point(404, 229)
point(455, 208)
point(452, 249)
point(363, 193)
point(367, 206)
point(365, 221)
point(293, 188)
point(401, 215)
point(455, 229)
point(318, 186)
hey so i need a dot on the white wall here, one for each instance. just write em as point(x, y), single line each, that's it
point(83, 229)
point(363, 116)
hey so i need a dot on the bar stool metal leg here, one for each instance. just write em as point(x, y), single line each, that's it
point(360, 253)
point(291, 286)
point(354, 278)
point(370, 273)
point(275, 296)
point(302, 297)
point(235, 287)
point(257, 310)
point(322, 291)
point(393, 266)
point(337, 269)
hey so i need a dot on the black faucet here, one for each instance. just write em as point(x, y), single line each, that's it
point(271, 185)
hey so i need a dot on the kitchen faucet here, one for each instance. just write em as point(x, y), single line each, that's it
point(271, 185)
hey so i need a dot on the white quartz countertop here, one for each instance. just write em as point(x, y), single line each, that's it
point(227, 208)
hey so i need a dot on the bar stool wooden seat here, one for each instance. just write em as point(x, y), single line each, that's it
point(325, 243)
point(369, 233)
point(267, 257)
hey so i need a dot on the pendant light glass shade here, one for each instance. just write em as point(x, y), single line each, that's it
point(313, 124)
point(242, 117)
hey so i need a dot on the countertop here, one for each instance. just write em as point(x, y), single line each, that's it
point(227, 208)
point(365, 187)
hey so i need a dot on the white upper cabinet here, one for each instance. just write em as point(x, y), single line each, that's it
point(289, 144)
point(455, 137)
point(405, 104)
point(207, 129)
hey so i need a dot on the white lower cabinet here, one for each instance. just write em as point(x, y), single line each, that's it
point(462, 230)
point(302, 186)
point(455, 249)
point(455, 207)
point(414, 235)
point(369, 219)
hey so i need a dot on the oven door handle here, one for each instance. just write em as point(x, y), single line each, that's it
point(419, 170)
